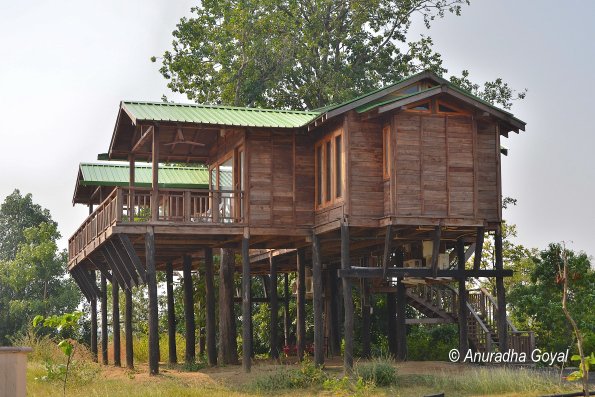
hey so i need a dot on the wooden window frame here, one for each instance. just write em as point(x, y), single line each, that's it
point(386, 147)
point(320, 177)
point(457, 110)
point(434, 108)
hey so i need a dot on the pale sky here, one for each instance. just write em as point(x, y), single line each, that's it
point(65, 65)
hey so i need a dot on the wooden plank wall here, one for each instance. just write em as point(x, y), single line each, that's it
point(434, 166)
point(225, 144)
point(487, 153)
point(366, 186)
point(280, 178)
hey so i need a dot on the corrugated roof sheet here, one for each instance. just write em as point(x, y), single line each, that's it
point(97, 174)
point(217, 115)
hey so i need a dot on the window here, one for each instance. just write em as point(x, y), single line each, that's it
point(329, 169)
point(448, 109)
point(421, 106)
point(386, 152)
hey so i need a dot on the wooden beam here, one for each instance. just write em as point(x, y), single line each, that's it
point(274, 309)
point(391, 312)
point(189, 321)
point(436, 249)
point(375, 272)
point(153, 304)
point(401, 320)
point(171, 314)
point(129, 248)
point(317, 302)
point(246, 306)
point(500, 294)
point(478, 248)
point(301, 303)
point(143, 139)
point(131, 181)
point(155, 177)
point(128, 330)
point(110, 258)
point(347, 301)
point(387, 244)
point(104, 331)
point(462, 317)
point(210, 302)
point(366, 315)
point(116, 324)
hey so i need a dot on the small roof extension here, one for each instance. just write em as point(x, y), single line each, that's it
point(92, 177)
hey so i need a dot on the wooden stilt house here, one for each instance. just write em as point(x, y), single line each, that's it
point(391, 192)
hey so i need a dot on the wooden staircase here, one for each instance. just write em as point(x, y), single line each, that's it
point(439, 304)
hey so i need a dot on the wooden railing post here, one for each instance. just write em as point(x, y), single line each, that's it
point(215, 206)
point(119, 205)
point(186, 203)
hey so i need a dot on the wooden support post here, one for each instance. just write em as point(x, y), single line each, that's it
point(317, 301)
point(131, 181)
point(435, 250)
point(227, 323)
point(94, 329)
point(171, 314)
point(104, 339)
point(246, 305)
point(366, 318)
point(347, 301)
point(401, 308)
point(391, 312)
point(155, 177)
point(153, 304)
point(335, 331)
point(274, 308)
point(501, 294)
point(330, 310)
point(463, 331)
point(190, 325)
point(301, 303)
point(116, 323)
point(128, 330)
point(387, 245)
point(286, 319)
point(478, 248)
point(210, 302)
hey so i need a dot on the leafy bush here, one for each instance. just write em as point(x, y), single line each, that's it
point(345, 386)
point(308, 375)
point(380, 371)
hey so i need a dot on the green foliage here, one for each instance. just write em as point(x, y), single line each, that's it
point(496, 91)
point(292, 54)
point(537, 302)
point(308, 375)
point(582, 370)
point(431, 343)
point(379, 371)
point(35, 279)
point(346, 386)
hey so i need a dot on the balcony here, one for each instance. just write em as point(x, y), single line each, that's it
point(171, 206)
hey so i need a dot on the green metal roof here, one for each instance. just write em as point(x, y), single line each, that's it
point(97, 174)
point(217, 115)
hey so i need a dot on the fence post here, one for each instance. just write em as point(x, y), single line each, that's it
point(13, 370)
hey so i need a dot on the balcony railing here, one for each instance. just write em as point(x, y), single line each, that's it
point(173, 205)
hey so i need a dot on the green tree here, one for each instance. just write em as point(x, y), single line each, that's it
point(537, 303)
point(306, 54)
point(35, 281)
point(18, 213)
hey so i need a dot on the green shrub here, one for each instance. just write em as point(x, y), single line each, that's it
point(308, 375)
point(379, 371)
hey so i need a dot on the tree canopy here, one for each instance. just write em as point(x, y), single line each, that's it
point(306, 54)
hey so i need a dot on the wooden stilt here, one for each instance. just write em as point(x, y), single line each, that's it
point(366, 318)
point(246, 306)
point(210, 302)
point(286, 319)
point(435, 250)
point(189, 321)
point(116, 323)
point(317, 301)
point(348, 300)
point(227, 323)
point(301, 303)
point(391, 312)
point(94, 328)
point(501, 294)
point(402, 303)
point(104, 339)
point(274, 309)
point(478, 248)
point(171, 315)
point(463, 332)
point(328, 303)
point(128, 330)
point(153, 304)
point(336, 305)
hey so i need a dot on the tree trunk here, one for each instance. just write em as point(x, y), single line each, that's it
point(227, 325)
